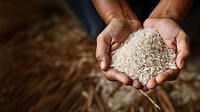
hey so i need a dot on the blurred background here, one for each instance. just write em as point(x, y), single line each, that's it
point(47, 64)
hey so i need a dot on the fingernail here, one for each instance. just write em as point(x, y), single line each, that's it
point(182, 64)
point(102, 65)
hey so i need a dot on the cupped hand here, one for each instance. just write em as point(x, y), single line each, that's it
point(109, 40)
point(175, 38)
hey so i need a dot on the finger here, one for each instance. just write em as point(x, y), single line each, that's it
point(183, 49)
point(168, 75)
point(102, 50)
point(114, 75)
point(144, 88)
point(152, 84)
point(137, 84)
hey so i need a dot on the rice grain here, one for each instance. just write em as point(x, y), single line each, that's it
point(142, 55)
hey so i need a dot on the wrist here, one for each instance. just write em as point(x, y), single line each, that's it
point(165, 16)
point(121, 16)
point(113, 10)
point(172, 9)
point(163, 10)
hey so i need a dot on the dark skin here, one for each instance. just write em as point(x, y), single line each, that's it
point(121, 21)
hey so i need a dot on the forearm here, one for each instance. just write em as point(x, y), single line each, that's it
point(173, 9)
point(111, 9)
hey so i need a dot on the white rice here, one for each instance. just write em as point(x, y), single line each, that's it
point(142, 55)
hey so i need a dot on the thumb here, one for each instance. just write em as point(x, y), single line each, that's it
point(182, 48)
point(103, 50)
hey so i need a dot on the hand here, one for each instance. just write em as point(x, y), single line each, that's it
point(109, 40)
point(175, 38)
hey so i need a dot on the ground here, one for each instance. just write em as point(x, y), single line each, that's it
point(47, 64)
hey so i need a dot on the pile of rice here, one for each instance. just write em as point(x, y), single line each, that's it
point(142, 55)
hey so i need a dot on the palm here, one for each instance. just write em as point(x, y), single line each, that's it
point(175, 38)
point(109, 40)
point(168, 30)
point(117, 31)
